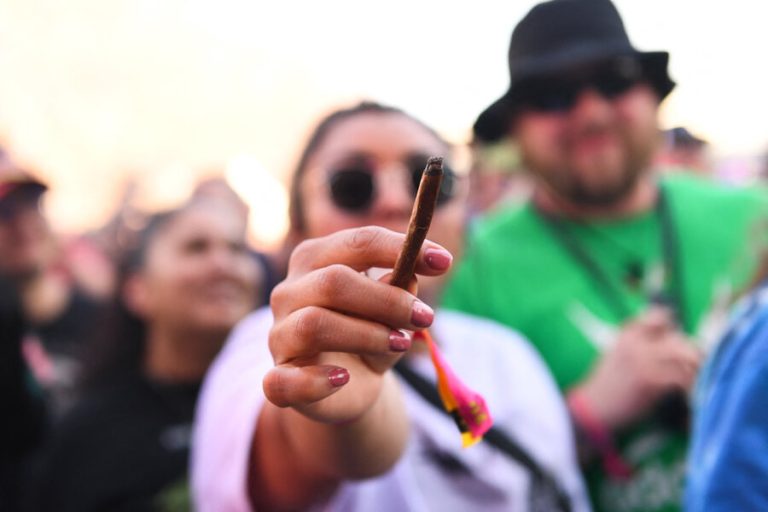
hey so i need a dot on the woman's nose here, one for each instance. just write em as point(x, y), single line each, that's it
point(394, 191)
point(223, 258)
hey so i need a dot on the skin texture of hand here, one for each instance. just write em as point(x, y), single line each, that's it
point(650, 357)
point(334, 412)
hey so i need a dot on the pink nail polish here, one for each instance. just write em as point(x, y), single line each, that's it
point(421, 314)
point(438, 259)
point(399, 341)
point(338, 377)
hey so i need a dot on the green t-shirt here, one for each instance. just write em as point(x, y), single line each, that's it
point(519, 271)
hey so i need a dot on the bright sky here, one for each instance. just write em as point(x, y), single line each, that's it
point(95, 91)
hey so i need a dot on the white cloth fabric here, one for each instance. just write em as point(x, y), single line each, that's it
point(491, 359)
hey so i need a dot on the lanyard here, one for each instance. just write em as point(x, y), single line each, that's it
point(609, 289)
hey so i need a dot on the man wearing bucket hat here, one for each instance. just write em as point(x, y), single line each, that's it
point(610, 272)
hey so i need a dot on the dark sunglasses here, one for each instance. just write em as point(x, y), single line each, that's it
point(559, 94)
point(353, 188)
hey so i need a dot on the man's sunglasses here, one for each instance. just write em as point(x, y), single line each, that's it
point(559, 94)
point(353, 188)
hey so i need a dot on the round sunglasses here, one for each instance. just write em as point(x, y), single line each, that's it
point(353, 188)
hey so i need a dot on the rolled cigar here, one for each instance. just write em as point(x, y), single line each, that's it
point(421, 217)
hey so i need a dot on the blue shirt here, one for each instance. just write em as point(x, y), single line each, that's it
point(728, 462)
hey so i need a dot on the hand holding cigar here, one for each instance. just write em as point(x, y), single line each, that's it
point(331, 322)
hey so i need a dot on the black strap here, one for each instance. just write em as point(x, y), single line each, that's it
point(673, 264)
point(672, 296)
point(546, 494)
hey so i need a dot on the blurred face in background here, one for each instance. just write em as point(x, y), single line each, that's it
point(363, 174)
point(198, 276)
point(25, 237)
point(589, 137)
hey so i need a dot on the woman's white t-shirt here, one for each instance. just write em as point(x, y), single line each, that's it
point(435, 473)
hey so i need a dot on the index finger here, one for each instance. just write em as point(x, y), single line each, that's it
point(366, 247)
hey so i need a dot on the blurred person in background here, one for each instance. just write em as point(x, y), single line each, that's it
point(216, 188)
point(24, 419)
point(728, 465)
point(680, 150)
point(62, 283)
point(496, 177)
point(302, 411)
point(607, 270)
point(114, 235)
point(124, 446)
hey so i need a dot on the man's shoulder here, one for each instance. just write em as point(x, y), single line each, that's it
point(694, 189)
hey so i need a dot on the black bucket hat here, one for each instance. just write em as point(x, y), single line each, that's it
point(561, 34)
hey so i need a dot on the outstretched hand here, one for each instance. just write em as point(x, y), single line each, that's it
point(336, 331)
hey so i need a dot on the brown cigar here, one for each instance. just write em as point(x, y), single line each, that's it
point(421, 217)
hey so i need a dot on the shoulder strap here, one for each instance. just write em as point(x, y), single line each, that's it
point(496, 437)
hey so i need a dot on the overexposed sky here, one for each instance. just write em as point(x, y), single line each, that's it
point(96, 91)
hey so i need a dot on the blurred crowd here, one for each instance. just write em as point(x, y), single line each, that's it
point(589, 274)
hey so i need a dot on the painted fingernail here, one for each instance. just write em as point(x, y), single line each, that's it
point(399, 341)
point(438, 259)
point(338, 377)
point(421, 314)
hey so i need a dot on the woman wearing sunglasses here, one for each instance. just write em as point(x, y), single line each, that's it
point(302, 409)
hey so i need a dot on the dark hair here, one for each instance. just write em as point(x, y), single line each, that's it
point(117, 349)
point(326, 124)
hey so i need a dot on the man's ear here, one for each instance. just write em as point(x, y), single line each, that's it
point(136, 296)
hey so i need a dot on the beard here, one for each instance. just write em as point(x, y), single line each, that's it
point(602, 194)
point(605, 178)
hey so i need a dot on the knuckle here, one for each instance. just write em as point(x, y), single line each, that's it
point(278, 296)
point(302, 254)
point(307, 322)
point(365, 238)
point(332, 279)
point(275, 342)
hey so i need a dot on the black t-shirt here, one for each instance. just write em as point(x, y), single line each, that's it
point(64, 340)
point(123, 448)
point(66, 333)
point(23, 421)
